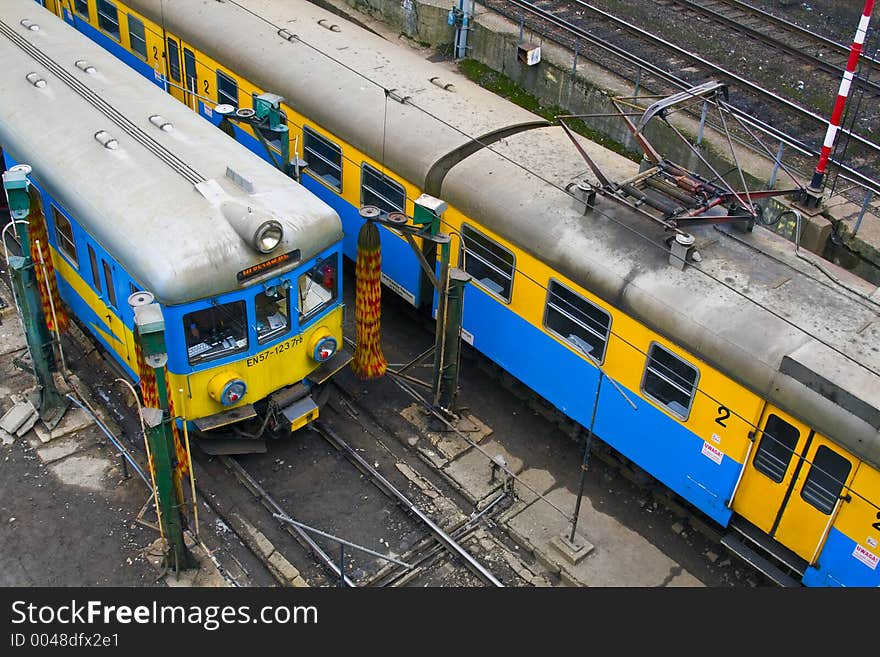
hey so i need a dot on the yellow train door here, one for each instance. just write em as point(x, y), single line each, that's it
point(56, 6)
point(173, 69)
point(792, 483)
point(190, 77)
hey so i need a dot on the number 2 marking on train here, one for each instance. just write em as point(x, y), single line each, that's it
point(876, 525)
point(206, 87)
point(723, 414)
point(155, 53)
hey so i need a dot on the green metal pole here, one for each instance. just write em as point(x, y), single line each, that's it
point(150, 333)
point(440, 359)
point(452, 340)
point(52, 403)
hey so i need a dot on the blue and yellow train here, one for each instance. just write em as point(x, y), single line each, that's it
point(141, 197)
point(759, 377)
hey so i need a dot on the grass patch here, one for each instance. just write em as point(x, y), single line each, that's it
point(506, 88)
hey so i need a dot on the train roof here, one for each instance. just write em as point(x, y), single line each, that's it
point(161, 203)
point(338, 78)
point(751, 307)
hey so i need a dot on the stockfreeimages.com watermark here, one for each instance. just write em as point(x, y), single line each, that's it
point(209, 617)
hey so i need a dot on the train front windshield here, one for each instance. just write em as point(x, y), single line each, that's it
point(216, 331)
point(277, 309)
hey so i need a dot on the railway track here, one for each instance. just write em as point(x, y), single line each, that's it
point(409, 568)
point(265, 492)
point(635, 48)
point(439, 538)
point(785, 37)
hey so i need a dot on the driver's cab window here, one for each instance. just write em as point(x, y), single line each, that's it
point(317, 288)
point(273, 313)
point(216, 331)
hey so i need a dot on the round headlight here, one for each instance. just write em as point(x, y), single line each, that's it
point(233, 392)
point(268, 236)
point(227, 388)
point(325, 349)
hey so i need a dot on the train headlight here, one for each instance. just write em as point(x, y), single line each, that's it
point(227, 388)
point(324, 347)
point(268, 236)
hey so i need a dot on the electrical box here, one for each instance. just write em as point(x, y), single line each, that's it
point(528, 54)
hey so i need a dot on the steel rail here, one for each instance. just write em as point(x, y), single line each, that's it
point(673, 80)
point(251, 483)
point(818, 40)
point(473, 565)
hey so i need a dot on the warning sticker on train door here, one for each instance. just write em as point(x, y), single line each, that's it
point(713, 452)
point(868, 558)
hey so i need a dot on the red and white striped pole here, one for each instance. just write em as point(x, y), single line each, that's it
point(855, 52)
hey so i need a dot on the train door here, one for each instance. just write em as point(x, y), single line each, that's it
point(191, 79)
point(793, 483)
point(55, 6)
point(65, 10)
point(109, 325)
point(173, 70)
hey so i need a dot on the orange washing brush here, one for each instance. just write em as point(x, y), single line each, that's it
point(368, 361)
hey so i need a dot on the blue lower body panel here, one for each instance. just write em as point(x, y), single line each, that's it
point(843, 563)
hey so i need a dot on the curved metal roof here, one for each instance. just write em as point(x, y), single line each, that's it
point(142, 201)
point(339, 79)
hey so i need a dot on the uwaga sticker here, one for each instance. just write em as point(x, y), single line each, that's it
point(712, 452)
point(868, 558)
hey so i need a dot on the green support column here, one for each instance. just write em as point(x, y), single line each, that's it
point(24, 279)
point(447, 387)
point(150, 333)
point(440, 331)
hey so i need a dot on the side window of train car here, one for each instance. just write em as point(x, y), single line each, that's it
point(323, 158)
point(826, 479)
point(64, 236)
point(227, 90)
point(137, 37)
point(108, 281)
point(490, 264)
point(81, 7)
point(582, 324)
point(173, 59)
point(776, 447)
point(216, 331)
point(273, 313)
point(108, 18)
point(96, 275)
point(378, 189)
point(317, 289)
point(670, 381)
